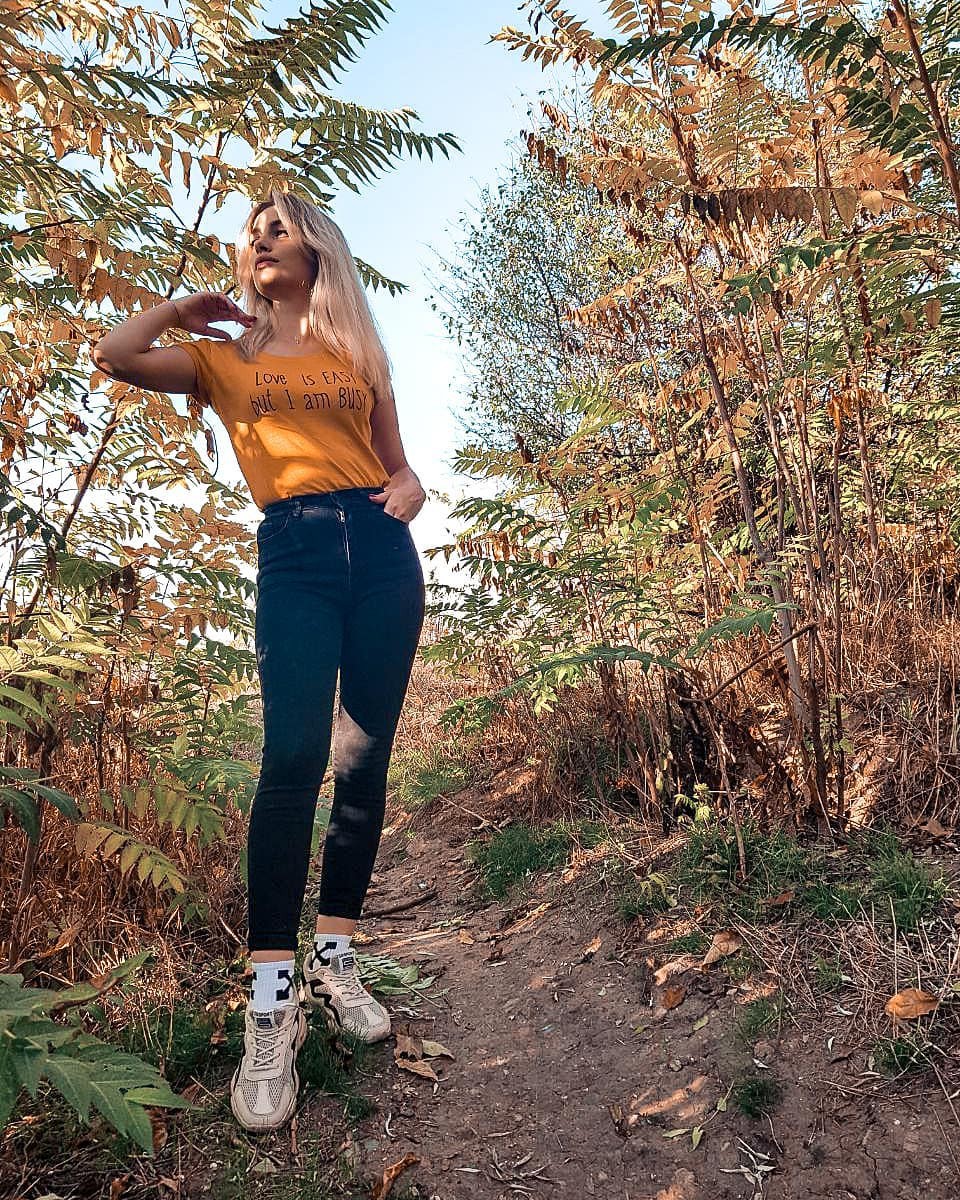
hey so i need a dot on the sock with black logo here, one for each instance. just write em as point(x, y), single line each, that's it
point(272, 985)
point(326, 944)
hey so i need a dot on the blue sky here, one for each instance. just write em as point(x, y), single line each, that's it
point(435, 57)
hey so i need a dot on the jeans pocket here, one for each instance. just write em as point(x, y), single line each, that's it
point(271, 526)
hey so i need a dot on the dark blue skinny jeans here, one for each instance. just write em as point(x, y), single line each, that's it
point(339, 588)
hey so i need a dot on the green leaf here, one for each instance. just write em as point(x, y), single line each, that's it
point(22, 697)
point(13, 718)
point(72, 1080)
point(24, 809)
point(9, 1084)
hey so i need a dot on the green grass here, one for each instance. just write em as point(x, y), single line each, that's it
point(321, 1065)
point(755, 1095)
point(515, 853)
point(832, 901)
point(693, 942)
point(709, 867)
point(175, 1039)
point(897, 1056)
point(874, 873)
point(827, 974)
point(901, 887)
point(758, 1017)
point(419, 776)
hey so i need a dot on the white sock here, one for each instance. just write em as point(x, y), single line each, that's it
point(272, 985)
point(330, 943)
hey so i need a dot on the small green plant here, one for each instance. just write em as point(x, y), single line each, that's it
point(741, 966)
point(896, 1056)
point(758, 1016)
point(694, 942)
point(632, 896)
point(827, 974)
point(38, 1049)
point(640, 897)
point(516, 852)
point(176, 1040)
point(321, 1065)
point(755, 1095)
point(901, 887)
point(710, 866)
point(830, 900)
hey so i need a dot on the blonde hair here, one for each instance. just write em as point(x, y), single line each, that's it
point(339, 314)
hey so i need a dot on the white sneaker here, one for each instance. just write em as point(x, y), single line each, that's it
point(337, 992)
point(263, 1090)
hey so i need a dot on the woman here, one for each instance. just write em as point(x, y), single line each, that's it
point(305, 395)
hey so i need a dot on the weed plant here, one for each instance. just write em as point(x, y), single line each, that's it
point(755, 1095)
point(515, 853)
point(758, 1017)
point(783, 875)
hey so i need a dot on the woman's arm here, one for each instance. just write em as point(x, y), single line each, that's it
point(385, 438)
point(124, 353)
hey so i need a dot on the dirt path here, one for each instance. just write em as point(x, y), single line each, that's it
point(569, 1072)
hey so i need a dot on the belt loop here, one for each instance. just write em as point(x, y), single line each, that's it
point(297, 507)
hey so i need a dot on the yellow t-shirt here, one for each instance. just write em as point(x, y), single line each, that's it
point(298, 424)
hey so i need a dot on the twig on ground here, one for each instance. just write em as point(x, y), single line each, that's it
point(430, 894)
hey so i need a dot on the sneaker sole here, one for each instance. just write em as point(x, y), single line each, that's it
point(292, 1107)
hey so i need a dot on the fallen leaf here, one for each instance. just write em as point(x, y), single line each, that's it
point(410, 1047)
point(383, 1186)
point(418, 1067)
point(465, 937)
point(676, 966)
point(700, 1024)
point(695, 1135)
point(935, 829)
point(724, 943)
point(910, 1003)
point(435, 1048)
point(672, 1133)
point(591, 950)
point(674, 996)
point(783, 898)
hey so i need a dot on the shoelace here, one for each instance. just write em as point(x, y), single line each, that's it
point(266, 1047)
point(351, 987)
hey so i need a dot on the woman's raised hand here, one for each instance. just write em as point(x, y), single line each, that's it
point(198, 310)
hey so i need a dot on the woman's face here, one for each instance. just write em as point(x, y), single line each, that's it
point(281, 268)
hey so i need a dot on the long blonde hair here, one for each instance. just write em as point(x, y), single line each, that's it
point(339, 313)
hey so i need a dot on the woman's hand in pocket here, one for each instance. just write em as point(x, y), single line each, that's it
point(402, 497)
